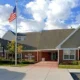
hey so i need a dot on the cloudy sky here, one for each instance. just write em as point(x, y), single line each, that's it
point(37, 15)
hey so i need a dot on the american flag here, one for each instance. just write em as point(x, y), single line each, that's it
point(13, 15)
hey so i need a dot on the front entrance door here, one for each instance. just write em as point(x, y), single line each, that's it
point(54, 56)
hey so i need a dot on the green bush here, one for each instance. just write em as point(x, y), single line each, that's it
point(65, 63)
point(62, 63)
point(70, 63)
point(1, 58)
point(79, 62)
point(27, 62)
point(74, 62)
point(5, 61)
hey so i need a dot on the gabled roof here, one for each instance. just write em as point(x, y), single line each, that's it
point(9, 36)
point(32, 39)
point(73, 41)
point(48, 39)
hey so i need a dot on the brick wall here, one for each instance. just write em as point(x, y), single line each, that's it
point(46, 55)
point(40, 55)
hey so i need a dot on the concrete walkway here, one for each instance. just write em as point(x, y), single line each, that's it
point(47, 64)
point(34, 73)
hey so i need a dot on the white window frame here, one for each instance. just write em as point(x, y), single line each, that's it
point(69, 55)
point(19, 38)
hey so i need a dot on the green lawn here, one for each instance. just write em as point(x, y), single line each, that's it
point(70, 66)
point(13, 65)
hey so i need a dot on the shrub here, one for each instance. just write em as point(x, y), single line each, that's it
point(65, 63)
point(70, 63)
point(6, 62)
point(2, 58)
point(27, 62)
point(79, 62)
point(74, 62)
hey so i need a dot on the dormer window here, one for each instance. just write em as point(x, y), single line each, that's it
point(21, 38)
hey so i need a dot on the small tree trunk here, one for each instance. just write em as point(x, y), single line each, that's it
point(21, 56)
point(12, 56)
point(7, 55)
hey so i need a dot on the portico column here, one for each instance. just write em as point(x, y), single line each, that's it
point(37, 56)
point(21, 56)
point(58, 56)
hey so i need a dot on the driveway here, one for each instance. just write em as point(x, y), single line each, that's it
point(34, 73)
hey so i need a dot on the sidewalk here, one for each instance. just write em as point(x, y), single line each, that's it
point(34, 73)
point(48, 74)
point(75, 73)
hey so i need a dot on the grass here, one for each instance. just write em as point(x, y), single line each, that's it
point(70, 66)
point(13, 65)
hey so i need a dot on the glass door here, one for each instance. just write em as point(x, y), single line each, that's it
point(54, 56)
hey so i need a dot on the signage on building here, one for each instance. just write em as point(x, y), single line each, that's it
point(29, 56)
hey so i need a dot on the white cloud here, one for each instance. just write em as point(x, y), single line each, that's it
point(54, 11)
point(73, 26)
point(78, 18)
point(5, 11)
point(23, 24)
point(30, 26)
point(38, 9)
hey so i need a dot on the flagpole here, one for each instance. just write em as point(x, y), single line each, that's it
point(16, 36)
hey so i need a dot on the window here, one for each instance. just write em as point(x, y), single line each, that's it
point(1, 49)
point(69, 54)
point(21, 38)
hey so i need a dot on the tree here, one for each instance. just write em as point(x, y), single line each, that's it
point(20, 48)
point(11, 48)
